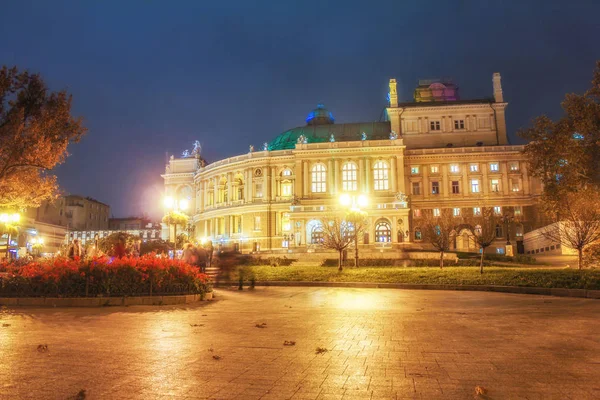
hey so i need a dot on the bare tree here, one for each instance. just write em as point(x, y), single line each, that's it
point(484, 223)
point(440, 230)
point(359, 224)
point(337, 234)
point(576, 220)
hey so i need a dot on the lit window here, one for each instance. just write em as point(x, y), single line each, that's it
point(436, 212)
point(577, 136)
point(456, 212)
point(518, 210)
point(500, 250)
point(416, 188)
point(258, 192)
point(435, 169)
point(257, 223)
point(286, 225)
point(380, 176)
point(519, 230)
point(349, 180)
point(476, 210)
point(455, 187)
point(474, 185)
point(319, 177)
point(494, 167)
point(454, 168)
point(514, 166)
point(286, 172)
point(286, 189)
point(383, 232)
point(497, 210)
point(414, 170)
point(516, 187)
point(434, 125)
point(416, 213)
point(418, 235)
point(459, 124)
point(316, 234)
point(495, 184)
point(474, 167)
point(435, 188)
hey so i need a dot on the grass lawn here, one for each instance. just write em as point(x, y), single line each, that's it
point(547, 278)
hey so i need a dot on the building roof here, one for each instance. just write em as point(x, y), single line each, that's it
point(322, 133)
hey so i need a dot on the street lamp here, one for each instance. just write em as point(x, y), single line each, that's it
point(171, 205)
point(5, 219)
point(506, 220)
point(354, 204)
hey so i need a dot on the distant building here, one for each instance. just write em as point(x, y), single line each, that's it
point(147, 232)
point(73, 211)
point(127, 224)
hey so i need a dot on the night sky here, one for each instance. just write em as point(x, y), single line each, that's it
point(150, 77)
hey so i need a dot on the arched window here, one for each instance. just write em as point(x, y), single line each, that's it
point(286, 224)
point(381, 173)
point(319, 179)
point(418, 235)
point(349, 179)
point(286, 172)
point(383, 232)
point(519, 230)
point(498, 231)
point(316, 235)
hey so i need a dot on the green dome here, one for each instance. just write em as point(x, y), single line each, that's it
point(341, 133)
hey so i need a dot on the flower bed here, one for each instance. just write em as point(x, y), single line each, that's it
point(61, 277)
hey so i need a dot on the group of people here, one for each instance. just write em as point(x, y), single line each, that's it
point(200, 256)
point(119, 249)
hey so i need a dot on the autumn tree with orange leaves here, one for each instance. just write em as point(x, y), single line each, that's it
point(36, 128)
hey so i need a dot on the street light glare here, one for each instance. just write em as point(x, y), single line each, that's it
point(169, 202)
point(363, 200)
point(15, 217)
point(183, 204)
point(345, 199)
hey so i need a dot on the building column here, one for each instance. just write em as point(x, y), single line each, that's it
point(368, 176)
point(216, 191)
point(266, 188)
point(361, 176)
point(274, 183)
point(444, 184)
point(206, 233)
point(394, 229)
point(298, 180)
point(525, 175)
point(485, 183)
point(306, 185)
point(465, 190)
point(504, 171)
point(229, 187)
point(401, 178)
point(393, 175)
point(338, 177)
point(330, 177)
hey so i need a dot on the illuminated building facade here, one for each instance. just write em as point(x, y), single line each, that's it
point(435, 152)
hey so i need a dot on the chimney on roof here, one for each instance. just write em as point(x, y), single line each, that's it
point(498, 98)
point(393, 94)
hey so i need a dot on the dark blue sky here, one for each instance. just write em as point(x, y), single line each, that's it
point(152, 76)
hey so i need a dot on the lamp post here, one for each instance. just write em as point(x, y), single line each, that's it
point(506, 220)
point(353, 205)
point(171, 205)
point(5, 219)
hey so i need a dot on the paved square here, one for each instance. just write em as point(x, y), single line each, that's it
point(381, 344)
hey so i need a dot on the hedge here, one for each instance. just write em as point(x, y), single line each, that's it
point(62, 277)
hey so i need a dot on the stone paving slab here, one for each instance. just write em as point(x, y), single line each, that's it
point(381, 344)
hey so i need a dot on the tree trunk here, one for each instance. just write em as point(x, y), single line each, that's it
point(7, 245)
point(481, 261)
point(442, 259)
point(340, 261)
point(356, 251)
point(580, 258)
point(175, 240)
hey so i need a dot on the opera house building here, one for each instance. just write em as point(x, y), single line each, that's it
point(437, 151)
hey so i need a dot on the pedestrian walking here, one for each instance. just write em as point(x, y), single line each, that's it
point(75, 250)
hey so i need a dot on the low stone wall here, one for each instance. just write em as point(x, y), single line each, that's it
point(103, 301)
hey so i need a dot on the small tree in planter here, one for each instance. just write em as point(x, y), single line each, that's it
point(359, 224)
point(440, 230)
point(337, 235)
